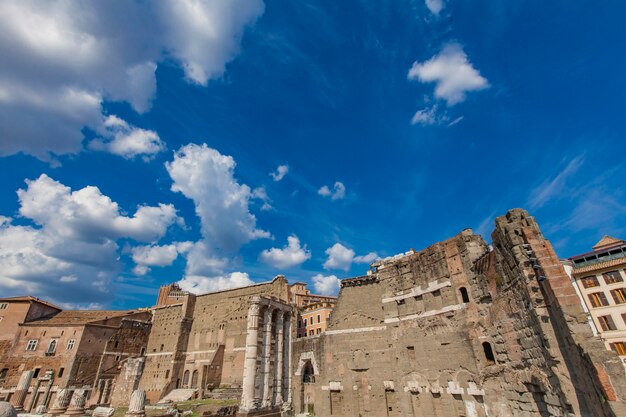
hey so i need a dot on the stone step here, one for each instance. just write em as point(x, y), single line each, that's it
point(178, 395)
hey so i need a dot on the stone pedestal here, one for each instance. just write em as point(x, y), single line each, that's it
point(137, 406)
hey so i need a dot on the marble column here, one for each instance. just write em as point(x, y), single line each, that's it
point(278, 366)
point(46, 396)
point(60, 403)
point(77, 404)
point(21, 390)
point(287, 359)
point(107, 391)
point(33, 397)
point(100, 390)
point(137, 406)
point(266, 358)
point(249, 367)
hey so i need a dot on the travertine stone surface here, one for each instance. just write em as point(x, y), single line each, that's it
point(460, 329)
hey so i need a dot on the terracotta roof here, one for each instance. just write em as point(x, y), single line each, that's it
point(80, 317)
point(30, 298)
point(599, 265)
point(607, 241)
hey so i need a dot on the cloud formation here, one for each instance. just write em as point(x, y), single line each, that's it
point(280, 173)
point(63, 59)
point(551, 188)
point(341, 257)
point(337, 193)
point(289, 256)
point(71, 249)
point(435, 6)
point(452, 73)
point(157, 255)
point(205, 176)
point(326, 285)
point(120, 138)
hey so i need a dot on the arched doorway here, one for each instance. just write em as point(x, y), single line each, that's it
point(186, 379)
point(308, 377)
point(194, 379)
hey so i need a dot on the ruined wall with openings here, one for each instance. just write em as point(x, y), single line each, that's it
point(200, 344)
point(459, 329)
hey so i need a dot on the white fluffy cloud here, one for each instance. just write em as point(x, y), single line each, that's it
point(71, 250)
point(452, 72)
point(120, 138)
point(280, 173)
point(435, 6)
point(341, 257)
point(206, 176)
point(326, 285)
point(337, 193)
point(291, 255)
point(200, 284)
point(157, 255)
point(62, 59)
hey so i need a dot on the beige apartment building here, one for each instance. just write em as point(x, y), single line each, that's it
point(600, 279)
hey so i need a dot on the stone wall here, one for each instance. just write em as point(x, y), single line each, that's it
point(459, 329)
point(200, 343)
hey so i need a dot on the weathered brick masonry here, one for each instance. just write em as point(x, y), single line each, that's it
point(459, 329)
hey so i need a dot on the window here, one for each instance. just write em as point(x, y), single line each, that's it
point(311, 332)
point(619, 348)
point(612, 277)
point(162, 346)
point(36, 374)
point(142, 351)
point(464, 295)
point(619, 295)
point(589, 282)
point(299, 324)
point(4, 306)
point(52, 347)
point(3, 373)
point(117, 358)
point(167, 374)
point(304, 322)
point(319, 318)
point(61, 370)
point(488, 352)
point(598, 299)
point(117, 343)
point(32, 345)
point(319, 331)
point(70, 344)
point(606, 322)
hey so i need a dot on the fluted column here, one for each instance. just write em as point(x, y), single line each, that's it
point(77, 404)
point(252, 351)
point(46, 396)
point(278, 366)
point(137, 406)
point(60, 403)
point(266, 357)
point(287, 358)
point(21, 390)
point(33, 396)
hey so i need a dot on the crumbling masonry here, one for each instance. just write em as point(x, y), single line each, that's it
point(460, 329)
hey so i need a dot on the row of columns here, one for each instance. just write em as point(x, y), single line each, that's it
point(265, 381)
point(21, 391)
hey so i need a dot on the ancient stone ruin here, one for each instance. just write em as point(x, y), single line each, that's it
point(461, 329)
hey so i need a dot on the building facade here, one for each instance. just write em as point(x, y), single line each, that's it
point(313, 318)
point(461, 329)
point(200, 342)
point(71, 349)
point(600, 277)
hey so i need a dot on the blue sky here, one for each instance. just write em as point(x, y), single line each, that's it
point(221, 143)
